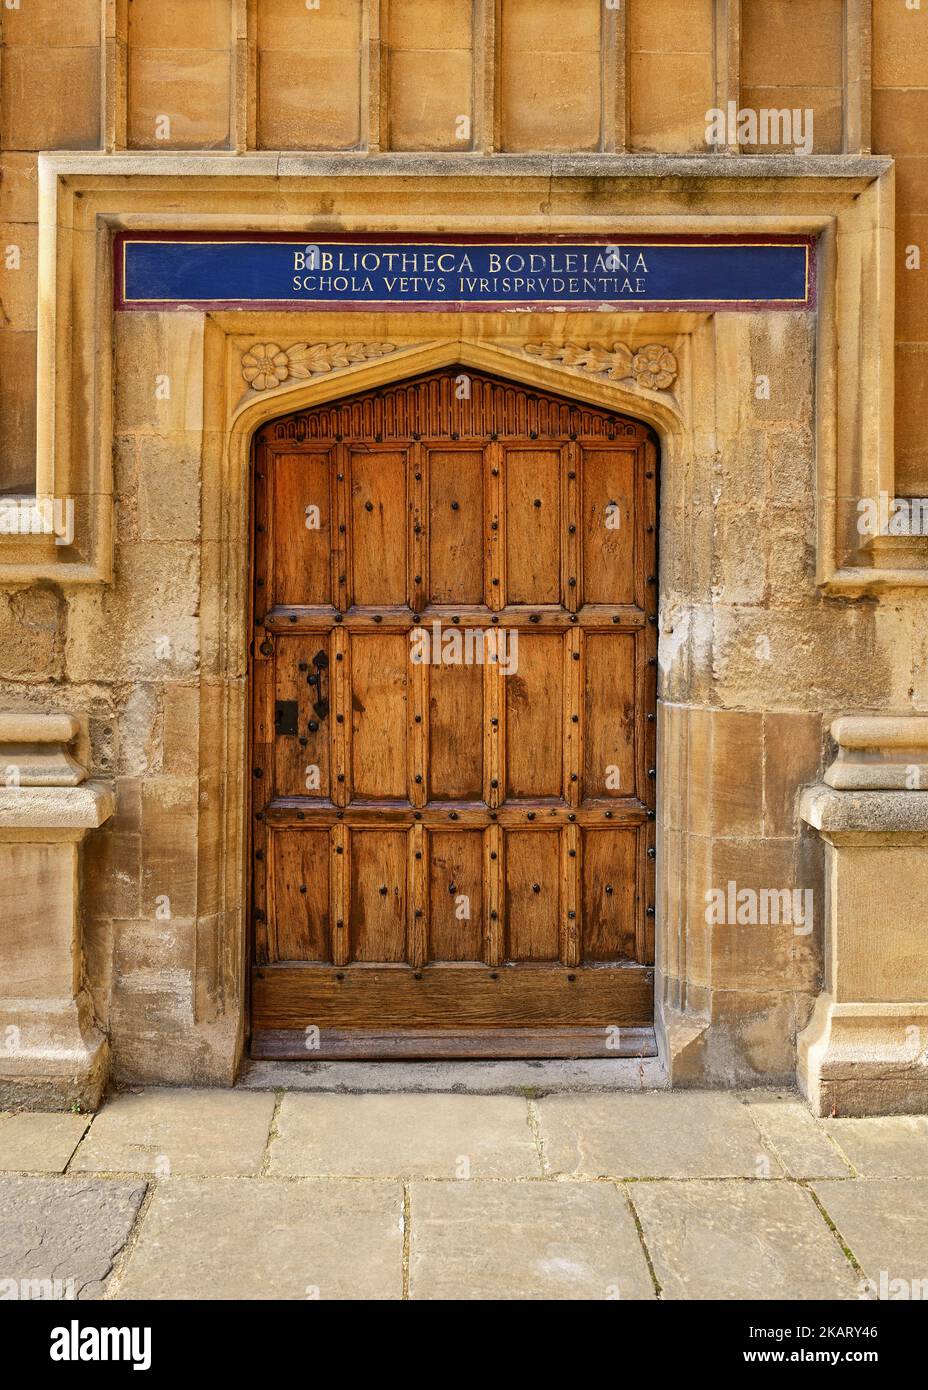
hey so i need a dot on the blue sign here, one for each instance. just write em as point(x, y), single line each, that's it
point(175, 271)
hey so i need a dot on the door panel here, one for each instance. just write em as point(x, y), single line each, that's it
point(379, 674)
point(533, 895)
point(608, 540)
point(534, 696)
point(302, 763)
point(300, 873)
point(455, 531)
point(456, 695)
point(608, 666)
point(455, 895)
point(609, 885)
point(302, 521)
point(533, 525)
point(377, 865)
point(453, 856)
point(378, 526)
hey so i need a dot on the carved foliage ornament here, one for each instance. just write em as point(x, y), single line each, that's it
point(266, 365)
point(653, 366)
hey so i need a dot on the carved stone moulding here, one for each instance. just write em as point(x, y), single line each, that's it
point(653, 366)
point(267, 365)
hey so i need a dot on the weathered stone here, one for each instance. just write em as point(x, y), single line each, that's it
point(399, 1136)
point(170, 1132)
point(891, 1146)
point(332, 1241)
point(475, 1240)
point(740, 1240)
point(651, 1136)
point(799, 1142)
point(37, 1143)
point(884, 1224)
point(59, 1238)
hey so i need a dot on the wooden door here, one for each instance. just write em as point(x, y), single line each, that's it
point(453, 738)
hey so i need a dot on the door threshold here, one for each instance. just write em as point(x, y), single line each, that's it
point(542, 1076)
point(451, 1044)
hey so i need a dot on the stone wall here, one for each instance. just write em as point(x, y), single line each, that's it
point(756, 658)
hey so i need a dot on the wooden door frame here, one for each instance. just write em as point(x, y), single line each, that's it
point(452, 355)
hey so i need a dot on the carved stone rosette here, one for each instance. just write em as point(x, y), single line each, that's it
point(266, 365)
point(653, 366)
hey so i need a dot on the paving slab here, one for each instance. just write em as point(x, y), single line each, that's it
point(33, 1142)
point(59, 1236)
point(803, 1147)
point(740, 1240)
point(404, 1136)
point(173, 1133)
point(512, 1240)
point(692, 1134)
point(884, 1222)
point(893, 1146)
point(256, 1239)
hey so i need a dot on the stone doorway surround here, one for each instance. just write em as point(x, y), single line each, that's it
point(162, 486)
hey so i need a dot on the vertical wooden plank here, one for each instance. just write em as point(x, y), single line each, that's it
point(341, 717)
point(417, 712)
point(339, 879)
point(573, 699)
point(417, 487)
point(569, 521)
point(417, 892)
point(494, 511)
point(342, 582)
point(494, 735)
point(570, 895)
point(493, 872)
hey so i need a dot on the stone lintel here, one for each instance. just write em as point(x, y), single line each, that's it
point(500, 165)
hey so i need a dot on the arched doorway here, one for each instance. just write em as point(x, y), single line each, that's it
point(453, 734)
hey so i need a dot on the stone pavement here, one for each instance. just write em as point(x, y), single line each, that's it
point(184, 1194)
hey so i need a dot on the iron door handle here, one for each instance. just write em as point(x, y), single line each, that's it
point(321, 706)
